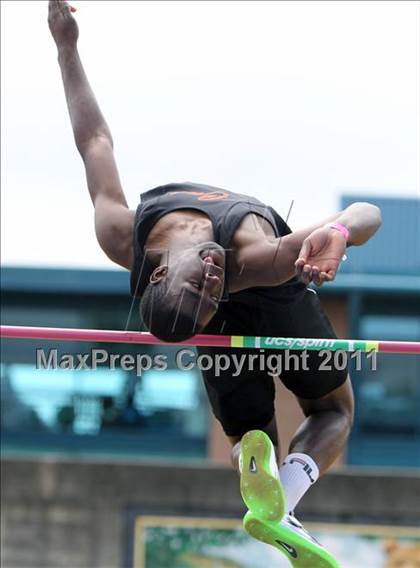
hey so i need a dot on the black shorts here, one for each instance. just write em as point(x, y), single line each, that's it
point(246, 401)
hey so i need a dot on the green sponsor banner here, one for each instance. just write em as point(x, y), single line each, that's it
point(182, 542)
point(300, 344)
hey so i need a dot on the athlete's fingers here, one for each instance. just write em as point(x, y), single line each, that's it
point(59, 5)
point(326, 277)
point(316, 276)
point(323, 277)
point(305, 250)
point(65, 3)
point(307, 274)
point(299, 264)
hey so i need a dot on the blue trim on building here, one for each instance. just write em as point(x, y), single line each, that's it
point(64, 281)
point(97, 282)
point(376, 283)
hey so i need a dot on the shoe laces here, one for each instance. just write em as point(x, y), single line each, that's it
point(294, 524)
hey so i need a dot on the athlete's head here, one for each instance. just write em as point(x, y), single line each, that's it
point(183, 294)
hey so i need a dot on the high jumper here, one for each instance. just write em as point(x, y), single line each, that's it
point(207, 260)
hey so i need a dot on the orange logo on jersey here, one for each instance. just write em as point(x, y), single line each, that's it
point(205, 195)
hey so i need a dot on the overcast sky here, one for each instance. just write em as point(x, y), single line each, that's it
point(282, 100)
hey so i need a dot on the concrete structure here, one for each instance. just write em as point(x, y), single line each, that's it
point(60, 513)
point(64, 507)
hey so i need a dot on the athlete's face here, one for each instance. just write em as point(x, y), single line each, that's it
point(195, 280)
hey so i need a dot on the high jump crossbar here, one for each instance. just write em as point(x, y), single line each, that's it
point(232, 341)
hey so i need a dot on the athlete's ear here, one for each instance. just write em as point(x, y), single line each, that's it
point(158, 274)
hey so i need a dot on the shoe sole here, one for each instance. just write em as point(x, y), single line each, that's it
point(300, 552)
point(260, 489)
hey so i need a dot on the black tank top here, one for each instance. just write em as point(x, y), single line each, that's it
point(225, 209)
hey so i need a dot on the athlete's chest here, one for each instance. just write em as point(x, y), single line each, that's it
point(251, 228)
point(194, 223)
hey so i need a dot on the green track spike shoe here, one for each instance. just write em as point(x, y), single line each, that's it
point(260, 485)
point(289, 536)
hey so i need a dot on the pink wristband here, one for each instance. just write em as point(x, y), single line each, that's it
point(343, 230)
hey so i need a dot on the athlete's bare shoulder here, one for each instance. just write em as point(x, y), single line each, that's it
point(252, 228)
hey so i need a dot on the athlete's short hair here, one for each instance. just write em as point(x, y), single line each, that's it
point(162, 316)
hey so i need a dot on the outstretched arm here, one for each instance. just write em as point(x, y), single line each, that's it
point(313, 253)
point(320, 252)
point(113, 219)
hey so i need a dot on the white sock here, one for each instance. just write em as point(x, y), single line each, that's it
point(297, 473)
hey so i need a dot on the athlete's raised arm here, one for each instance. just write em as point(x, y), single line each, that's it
point(113, 219)
point(313, 253)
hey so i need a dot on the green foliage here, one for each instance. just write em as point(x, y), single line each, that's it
point(169, 547)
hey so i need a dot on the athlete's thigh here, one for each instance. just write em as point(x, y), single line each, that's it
point(241, 398)
point(340, 400)
point(308, 374)
point(242, 394)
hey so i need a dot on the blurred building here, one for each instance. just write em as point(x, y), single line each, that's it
point(82, 449)
point(147, 412)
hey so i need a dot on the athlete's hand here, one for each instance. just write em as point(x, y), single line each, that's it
point(320, 256)
point(63, 26)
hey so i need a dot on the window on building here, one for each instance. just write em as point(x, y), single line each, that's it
point(135, 411)
point(387, 427)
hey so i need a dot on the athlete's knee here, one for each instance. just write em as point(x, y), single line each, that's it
point(234, 455)
point(340, 401)
point(270, 429)
point(343, 400)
